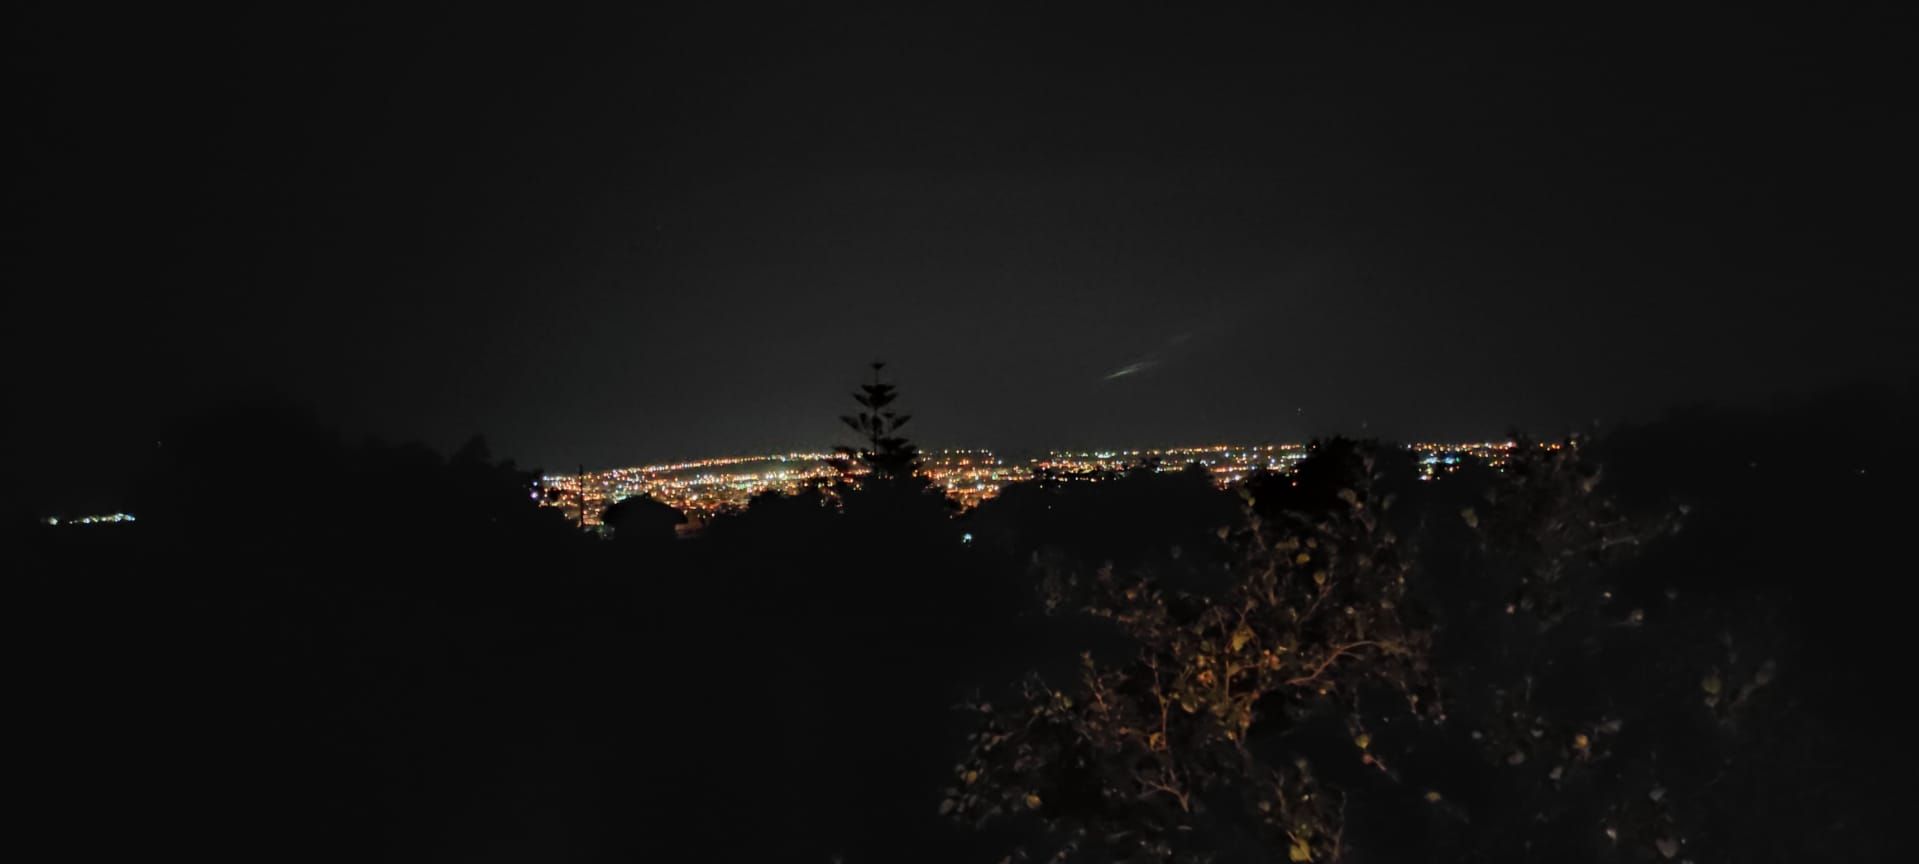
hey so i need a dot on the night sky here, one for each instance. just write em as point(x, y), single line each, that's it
point(609, 240)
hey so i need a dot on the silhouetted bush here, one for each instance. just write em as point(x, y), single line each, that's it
point(309, 649)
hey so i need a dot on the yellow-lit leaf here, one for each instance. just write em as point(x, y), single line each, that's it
point(1300, 851)
point(1032, 800)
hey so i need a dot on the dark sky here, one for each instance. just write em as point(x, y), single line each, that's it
point(611, 239)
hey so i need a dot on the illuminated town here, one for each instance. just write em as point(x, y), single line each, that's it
point(706, 487)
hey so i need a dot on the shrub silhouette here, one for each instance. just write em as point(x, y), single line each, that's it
point(1381, 679)
point(641, 519)
point(312, 649)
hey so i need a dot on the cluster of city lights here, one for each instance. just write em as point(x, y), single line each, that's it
point(107, 519)
point(1437, 459)
point(705, 487)
point(1228, 463)
point(695, 487)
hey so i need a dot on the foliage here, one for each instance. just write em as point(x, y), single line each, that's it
point(378, 647)
point(885, 454)
point(640, 517)
point(1331, 653)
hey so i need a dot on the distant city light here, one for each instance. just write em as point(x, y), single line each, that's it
point(706, 487)
point(108, 518)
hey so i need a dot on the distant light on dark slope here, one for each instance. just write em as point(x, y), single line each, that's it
point(107, 519)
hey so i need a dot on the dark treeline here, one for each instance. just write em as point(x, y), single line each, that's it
point(312, 649)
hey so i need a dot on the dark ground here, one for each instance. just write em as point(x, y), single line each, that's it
point(307, 650)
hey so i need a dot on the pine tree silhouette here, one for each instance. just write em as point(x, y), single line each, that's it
point(886, 455)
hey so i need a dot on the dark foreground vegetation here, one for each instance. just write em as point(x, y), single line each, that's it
point(1684, 640)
